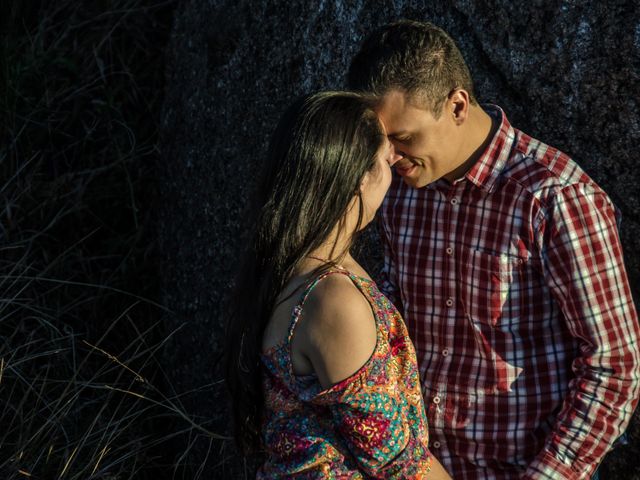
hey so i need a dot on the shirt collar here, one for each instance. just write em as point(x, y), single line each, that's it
point(493, 160)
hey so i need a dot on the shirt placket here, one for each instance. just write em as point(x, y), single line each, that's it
point(438, 401)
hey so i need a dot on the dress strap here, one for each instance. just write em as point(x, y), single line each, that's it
point(297, 310)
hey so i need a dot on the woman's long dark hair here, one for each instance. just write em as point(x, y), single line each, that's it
point(320, 151)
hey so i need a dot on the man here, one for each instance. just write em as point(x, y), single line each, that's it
point(508, 269)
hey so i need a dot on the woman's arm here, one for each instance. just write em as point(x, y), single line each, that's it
point(437, 471)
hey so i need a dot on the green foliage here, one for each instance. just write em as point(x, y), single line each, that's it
point(82, 394)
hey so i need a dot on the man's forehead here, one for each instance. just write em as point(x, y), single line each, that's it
point(400, 115)
point(393, 100)
point(397, 102)
point(396, 120)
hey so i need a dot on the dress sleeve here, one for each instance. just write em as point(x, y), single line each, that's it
point(379, 415)
point(584, 269)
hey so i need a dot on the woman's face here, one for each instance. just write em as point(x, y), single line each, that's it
point(376, 181)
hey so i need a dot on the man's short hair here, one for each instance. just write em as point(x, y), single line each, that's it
point(417, 58)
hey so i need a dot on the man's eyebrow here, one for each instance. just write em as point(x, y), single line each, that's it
point(398, 133)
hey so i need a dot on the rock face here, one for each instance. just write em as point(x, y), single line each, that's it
point(564, 72)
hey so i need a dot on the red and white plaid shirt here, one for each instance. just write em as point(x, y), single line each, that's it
point(512, 284)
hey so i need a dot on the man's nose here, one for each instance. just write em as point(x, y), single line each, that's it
point(395, 157)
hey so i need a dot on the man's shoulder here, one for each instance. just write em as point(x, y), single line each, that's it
point(541, 169)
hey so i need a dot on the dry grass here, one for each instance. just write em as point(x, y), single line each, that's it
point(82, 392)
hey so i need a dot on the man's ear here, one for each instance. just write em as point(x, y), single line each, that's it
point(458, 105)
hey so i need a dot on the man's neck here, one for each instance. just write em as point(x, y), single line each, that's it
point(480, 128)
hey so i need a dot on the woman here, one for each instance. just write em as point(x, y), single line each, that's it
point(322, 374)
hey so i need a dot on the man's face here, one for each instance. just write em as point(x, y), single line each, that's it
point(430, 147)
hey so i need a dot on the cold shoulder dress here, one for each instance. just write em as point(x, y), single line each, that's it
point(370, 425)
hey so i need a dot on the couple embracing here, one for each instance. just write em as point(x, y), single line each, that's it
point(503, 340)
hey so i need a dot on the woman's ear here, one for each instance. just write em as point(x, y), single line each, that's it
point(365, 181)
point(368, 178)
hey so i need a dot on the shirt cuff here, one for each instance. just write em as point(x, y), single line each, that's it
point(548, 467)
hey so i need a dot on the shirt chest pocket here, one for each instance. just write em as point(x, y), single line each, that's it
point(485, 282)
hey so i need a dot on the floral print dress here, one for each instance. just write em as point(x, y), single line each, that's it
point(370, 425)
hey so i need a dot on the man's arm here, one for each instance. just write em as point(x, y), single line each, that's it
point(583, 266)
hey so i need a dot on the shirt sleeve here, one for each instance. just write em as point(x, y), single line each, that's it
point(584, 268)
point(388, 280)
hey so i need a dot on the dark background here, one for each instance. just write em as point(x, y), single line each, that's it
point(131, 134)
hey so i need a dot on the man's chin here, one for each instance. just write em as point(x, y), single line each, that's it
point(414, 182)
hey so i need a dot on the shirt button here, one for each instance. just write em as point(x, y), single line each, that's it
point(449, 302)
point(436, 444)
point(436, 400)
point(445, 352)
point(449, 250)
point(454, 201)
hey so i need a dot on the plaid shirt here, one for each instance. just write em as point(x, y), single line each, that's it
point(512, 283)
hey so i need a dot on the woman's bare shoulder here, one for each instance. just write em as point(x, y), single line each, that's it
point(339, 329)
